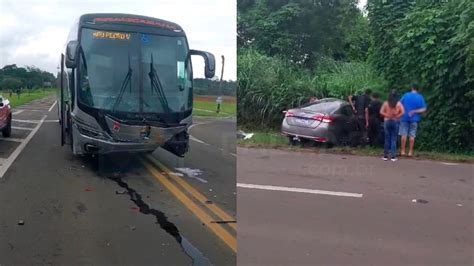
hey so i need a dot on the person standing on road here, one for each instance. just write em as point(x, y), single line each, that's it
point(360, 106)
point(414, 104)
point(392, 110)
point(375, 120)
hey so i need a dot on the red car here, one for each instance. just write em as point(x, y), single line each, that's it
point(5, 117)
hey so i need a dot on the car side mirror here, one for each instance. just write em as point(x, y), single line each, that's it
point(209, 60)
point(72, 52)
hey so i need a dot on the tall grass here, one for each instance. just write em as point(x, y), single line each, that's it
point(348, 78)
point(268, 85)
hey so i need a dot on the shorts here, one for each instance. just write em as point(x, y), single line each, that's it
point(408, 129)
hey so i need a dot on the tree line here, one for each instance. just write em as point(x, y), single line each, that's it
point(214, 87)
point(13, 77)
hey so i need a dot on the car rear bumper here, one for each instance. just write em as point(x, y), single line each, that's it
point(319, 134)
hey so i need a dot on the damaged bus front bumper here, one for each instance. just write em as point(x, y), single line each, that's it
point(128, 138)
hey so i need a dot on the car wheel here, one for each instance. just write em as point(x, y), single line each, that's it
point(354, 139)
point(343, 140)
point(306, 143)
point(7, 131)
point(329, 145)
point(291, 141)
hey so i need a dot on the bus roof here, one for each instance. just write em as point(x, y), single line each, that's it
point(128, 19)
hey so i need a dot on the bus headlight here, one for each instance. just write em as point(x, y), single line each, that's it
point(89, 131)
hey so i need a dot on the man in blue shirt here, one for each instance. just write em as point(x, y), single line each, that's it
point(414, 105)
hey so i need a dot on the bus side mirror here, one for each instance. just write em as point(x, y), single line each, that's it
point(72, 51)
point(209, 60)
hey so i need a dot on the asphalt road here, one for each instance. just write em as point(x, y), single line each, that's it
point(320, 209)
point(118, 210)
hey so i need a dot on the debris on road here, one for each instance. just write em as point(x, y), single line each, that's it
point(459, 205)
point(208, 202)
point(177, 174)
point(192, 173)
point(132, 227)
point(419, 201)
point(88, 189)
point(21, 222)
point(243, 135)
point(121, 192)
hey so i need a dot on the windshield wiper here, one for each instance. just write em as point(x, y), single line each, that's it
point(126, 81)
point(157, 87)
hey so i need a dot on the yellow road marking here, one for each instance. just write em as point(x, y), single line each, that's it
point(198, 195)
point(204, 217)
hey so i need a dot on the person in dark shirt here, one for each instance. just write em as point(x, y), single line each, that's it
point(375, 120)
point(360, 106)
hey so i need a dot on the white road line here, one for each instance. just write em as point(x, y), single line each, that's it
point(209, 111)
point(8, 162)
point(13, 139)
point(51, 108)
point(301, 190)
point(22, 128)
point(26, 121)
point(191, 137)
point(18, 112)
point(33, 110)
point(36, 121)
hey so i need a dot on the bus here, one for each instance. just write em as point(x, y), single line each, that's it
point(127, 85)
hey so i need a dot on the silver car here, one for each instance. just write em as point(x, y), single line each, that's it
point(327, 120)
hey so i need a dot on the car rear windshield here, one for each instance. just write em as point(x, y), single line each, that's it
point(322, 107)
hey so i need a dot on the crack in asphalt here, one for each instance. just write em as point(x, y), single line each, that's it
point(198, 259)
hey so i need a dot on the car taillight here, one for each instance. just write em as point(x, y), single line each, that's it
point(323, 118)
point(320, 139)
point(289, 114)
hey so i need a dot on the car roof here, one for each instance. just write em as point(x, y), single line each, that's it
point(329, 104)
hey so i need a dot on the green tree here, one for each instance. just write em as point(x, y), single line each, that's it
point(10, 83)
point(300, 30)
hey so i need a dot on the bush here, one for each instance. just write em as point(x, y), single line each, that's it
point(269, 85)
point(347, 78)
point(432, 45)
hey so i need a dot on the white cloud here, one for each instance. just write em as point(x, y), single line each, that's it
point(34, 32)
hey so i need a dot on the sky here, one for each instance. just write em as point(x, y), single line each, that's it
point(33, 32)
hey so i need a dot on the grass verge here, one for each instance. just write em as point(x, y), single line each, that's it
point(274, 140)
point(208, 109)
point(27, 96)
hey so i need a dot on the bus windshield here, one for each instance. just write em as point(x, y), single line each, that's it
point(115, 72)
